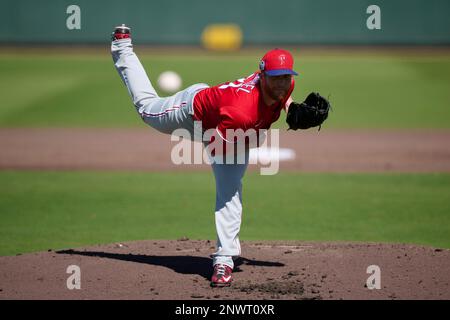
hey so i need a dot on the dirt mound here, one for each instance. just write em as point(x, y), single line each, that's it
point(267, 270)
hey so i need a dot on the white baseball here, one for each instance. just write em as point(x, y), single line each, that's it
point(169, 81)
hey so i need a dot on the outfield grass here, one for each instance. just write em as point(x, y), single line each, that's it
point(367, 91)
point(42, 210)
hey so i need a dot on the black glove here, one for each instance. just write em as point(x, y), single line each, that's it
point(310, 113)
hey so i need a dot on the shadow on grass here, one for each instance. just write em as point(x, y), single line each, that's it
point(180, 264)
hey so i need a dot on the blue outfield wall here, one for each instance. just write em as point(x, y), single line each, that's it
point(180, 22)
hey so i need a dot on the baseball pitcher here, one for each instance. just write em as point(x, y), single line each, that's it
point(254, 102)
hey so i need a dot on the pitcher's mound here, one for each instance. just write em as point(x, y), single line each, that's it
point(180, 269)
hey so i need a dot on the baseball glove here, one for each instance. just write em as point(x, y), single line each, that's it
point(310, 113)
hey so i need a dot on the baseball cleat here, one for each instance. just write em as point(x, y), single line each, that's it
point(121, 32)
point(221, 276)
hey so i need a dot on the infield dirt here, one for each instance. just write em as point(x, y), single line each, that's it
point(180, 269)
point(148, 150)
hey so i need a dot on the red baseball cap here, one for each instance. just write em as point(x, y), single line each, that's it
point(277, 62)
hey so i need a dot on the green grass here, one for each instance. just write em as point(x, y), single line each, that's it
point(366, 91)
point(42, 210)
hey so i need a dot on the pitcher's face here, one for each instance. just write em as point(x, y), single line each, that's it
point(277, 87)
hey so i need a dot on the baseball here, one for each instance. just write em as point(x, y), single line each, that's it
point(169, 81)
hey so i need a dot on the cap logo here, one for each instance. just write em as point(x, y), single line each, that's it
point(262, 65)
point(282, 59)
